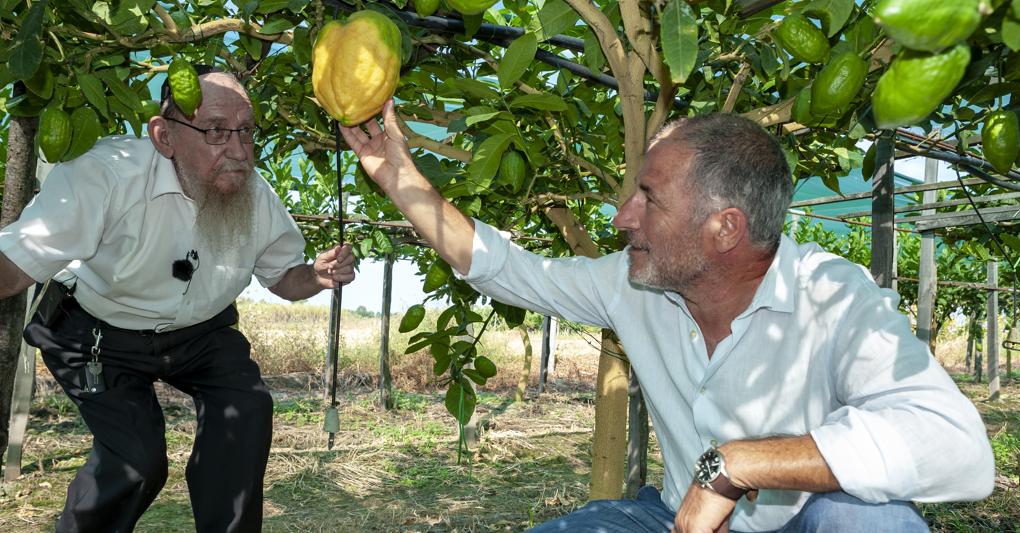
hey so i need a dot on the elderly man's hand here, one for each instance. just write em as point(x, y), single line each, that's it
point(334, 267)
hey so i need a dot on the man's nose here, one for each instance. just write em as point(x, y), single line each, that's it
point(237, 149)
point(625, 218)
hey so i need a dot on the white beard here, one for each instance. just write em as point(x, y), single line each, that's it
point(224, 221)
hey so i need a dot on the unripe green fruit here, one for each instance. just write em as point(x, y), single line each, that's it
point(802, 39)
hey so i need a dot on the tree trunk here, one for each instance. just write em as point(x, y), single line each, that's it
point(609, 444)
point(19, 182)
point(522, 382)
point(637, 439)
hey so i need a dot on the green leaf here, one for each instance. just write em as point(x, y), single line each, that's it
point(485, 161)
point(516, 60)
point(544, 102)
point(94, 92)
point(476, 119)
point(556, 17)
point(474, 88)
point(832, 13)
point(120, 91)
point(27, 50)
point(460, 401)
point(251, 45)
point(1011, 34)
point(130, 17)
point(277, 25)
point(474, 375)
point(860, 35)
point(593, 56)
point(679, 36)
point(271, 6)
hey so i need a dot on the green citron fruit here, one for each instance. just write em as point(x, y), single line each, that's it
point(837, 84)
point(54, 133)
point(915, 84)
point(513, 169)
point(150, 108)
point(436, 276)
point(802, 39)
point(86, 130)
point(184, 86)
point(1000, 139)
point(485, 366)
point(356, 66)
point(470, 7)
point(425, 8)
point(928, 25)
point(414, 315)
point(802, 107)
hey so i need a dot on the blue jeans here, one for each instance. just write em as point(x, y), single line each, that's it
point(835, 512)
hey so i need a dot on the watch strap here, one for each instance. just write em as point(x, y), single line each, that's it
point(723, 486)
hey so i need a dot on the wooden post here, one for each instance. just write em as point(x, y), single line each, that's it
point(522, 381)
point(21, 403)
point(609, 444)
point(385, 378)
point(979, 349)
point(971, 343)
point(554, 333)
point(882, 227)
point(927, 268)
point(1014, 339)
point(637, 438)
point(992, 345)
point(543, 365)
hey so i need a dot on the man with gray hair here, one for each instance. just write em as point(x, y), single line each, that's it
point(148, 243)
point(786, 389)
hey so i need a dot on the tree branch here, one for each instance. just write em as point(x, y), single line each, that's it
point(738, 85)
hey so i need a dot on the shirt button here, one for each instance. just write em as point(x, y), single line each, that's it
point(701, 391)
point(694, 334)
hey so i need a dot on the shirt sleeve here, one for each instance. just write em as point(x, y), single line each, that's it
point(904, 430)
point(285, 245)
point(576, 288)
point(64, 222)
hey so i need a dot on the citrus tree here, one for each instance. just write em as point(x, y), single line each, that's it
point(533, 115)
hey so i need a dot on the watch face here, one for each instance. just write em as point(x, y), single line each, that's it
point(708, 466)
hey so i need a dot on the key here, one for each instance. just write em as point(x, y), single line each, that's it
point(94, 382)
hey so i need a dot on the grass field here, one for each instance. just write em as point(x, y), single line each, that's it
point(398, 471)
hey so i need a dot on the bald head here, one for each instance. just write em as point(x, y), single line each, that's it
point(215, 84)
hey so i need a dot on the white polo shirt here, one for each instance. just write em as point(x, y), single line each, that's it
point(117, 219)
point(821, 350)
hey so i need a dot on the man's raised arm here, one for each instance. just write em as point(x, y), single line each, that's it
point(13, 280)
point(386, 159)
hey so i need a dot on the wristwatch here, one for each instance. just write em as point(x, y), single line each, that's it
point(710, 473)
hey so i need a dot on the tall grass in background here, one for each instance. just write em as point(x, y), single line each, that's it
point(292, 338)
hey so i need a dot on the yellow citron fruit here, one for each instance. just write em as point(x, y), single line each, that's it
point(915, 84)
point(470, 7)
point(184, 86)
point(928, 25)
point(356, 66)
point(54, 133)
point(1000, 139)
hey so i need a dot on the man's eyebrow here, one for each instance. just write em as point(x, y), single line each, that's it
point(647, 190)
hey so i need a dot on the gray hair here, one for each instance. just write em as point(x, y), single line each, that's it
point(736, 164)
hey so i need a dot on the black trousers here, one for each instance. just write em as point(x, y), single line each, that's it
point(128, 464)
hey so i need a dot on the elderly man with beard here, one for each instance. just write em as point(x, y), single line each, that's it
point(786, 389)
point(151, 241)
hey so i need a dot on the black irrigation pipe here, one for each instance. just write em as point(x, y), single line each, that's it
point(972, 164)
point(503, 35)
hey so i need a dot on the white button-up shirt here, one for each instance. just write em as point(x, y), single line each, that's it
point(117, 219)
point(821, 350)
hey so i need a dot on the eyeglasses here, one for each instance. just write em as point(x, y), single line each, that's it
point(217, 136)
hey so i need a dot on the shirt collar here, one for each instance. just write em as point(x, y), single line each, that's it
point(776, 290)
point(165, 178)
